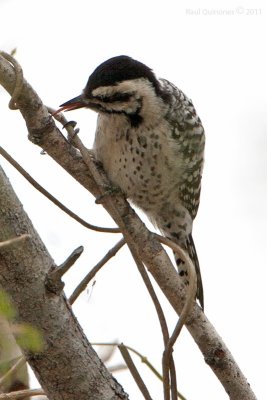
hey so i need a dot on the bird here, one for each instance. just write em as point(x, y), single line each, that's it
point(150, 142)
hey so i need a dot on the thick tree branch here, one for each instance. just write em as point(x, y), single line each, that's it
point(42, 131)
point(67, 367)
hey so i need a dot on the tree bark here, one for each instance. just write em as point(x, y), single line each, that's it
point(67, 367)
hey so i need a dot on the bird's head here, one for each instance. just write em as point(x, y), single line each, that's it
point(120, 85)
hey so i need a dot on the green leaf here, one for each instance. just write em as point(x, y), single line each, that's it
point(6, 308)
point(29, 338)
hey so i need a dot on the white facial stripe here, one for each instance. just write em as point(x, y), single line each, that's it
point(143, 99)
point(130, 86)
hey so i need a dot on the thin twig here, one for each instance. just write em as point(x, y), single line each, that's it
point(143, 360)
point(192, 287)
point(66, 124)
point(57, 273)
point(53, 280)
point(86, 155)
point(8, 375)
point(116, 368)
point(60, 117)
point(48, 195)
point(190, 298)
point(21, 394)
point(84, 283)
point(141, 356)
point(170, 366)
point(108, 354)
point(15, 240)
point(137, 377)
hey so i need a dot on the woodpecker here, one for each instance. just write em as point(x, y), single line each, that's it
point(150, 142)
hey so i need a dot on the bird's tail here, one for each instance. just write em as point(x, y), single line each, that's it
point(191, 250)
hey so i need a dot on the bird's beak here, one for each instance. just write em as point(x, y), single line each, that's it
point(73, 104)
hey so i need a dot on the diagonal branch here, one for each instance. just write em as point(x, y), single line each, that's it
point(14, 241)
point(8, 375)
point(191, 294)
point(168, 365)
point(84, 283)
point(50, 197)
point(21, 394)
point(137, 377)
point(144, 360)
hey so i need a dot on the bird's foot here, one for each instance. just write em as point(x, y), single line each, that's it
point(109, 190)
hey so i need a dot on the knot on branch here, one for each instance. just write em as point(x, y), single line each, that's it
point(53, 282)
point(36, 135)
point(216, 357)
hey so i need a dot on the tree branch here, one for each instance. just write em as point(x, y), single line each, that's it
point(14, 241)
point(9, 374)
point(137, 377)
point(57, 273)
point(143, 360)
point(21, 394)
point(84, 283)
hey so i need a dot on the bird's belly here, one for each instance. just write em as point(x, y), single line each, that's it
point(142, 170)
point(142, 185)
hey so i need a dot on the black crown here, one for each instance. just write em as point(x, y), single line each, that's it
point(118, 69)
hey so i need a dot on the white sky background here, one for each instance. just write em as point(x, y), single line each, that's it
point(220, 62)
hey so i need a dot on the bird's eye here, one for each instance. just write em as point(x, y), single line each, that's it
point(116, 97)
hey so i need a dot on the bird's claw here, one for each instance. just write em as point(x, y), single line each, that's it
point(109, 190)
